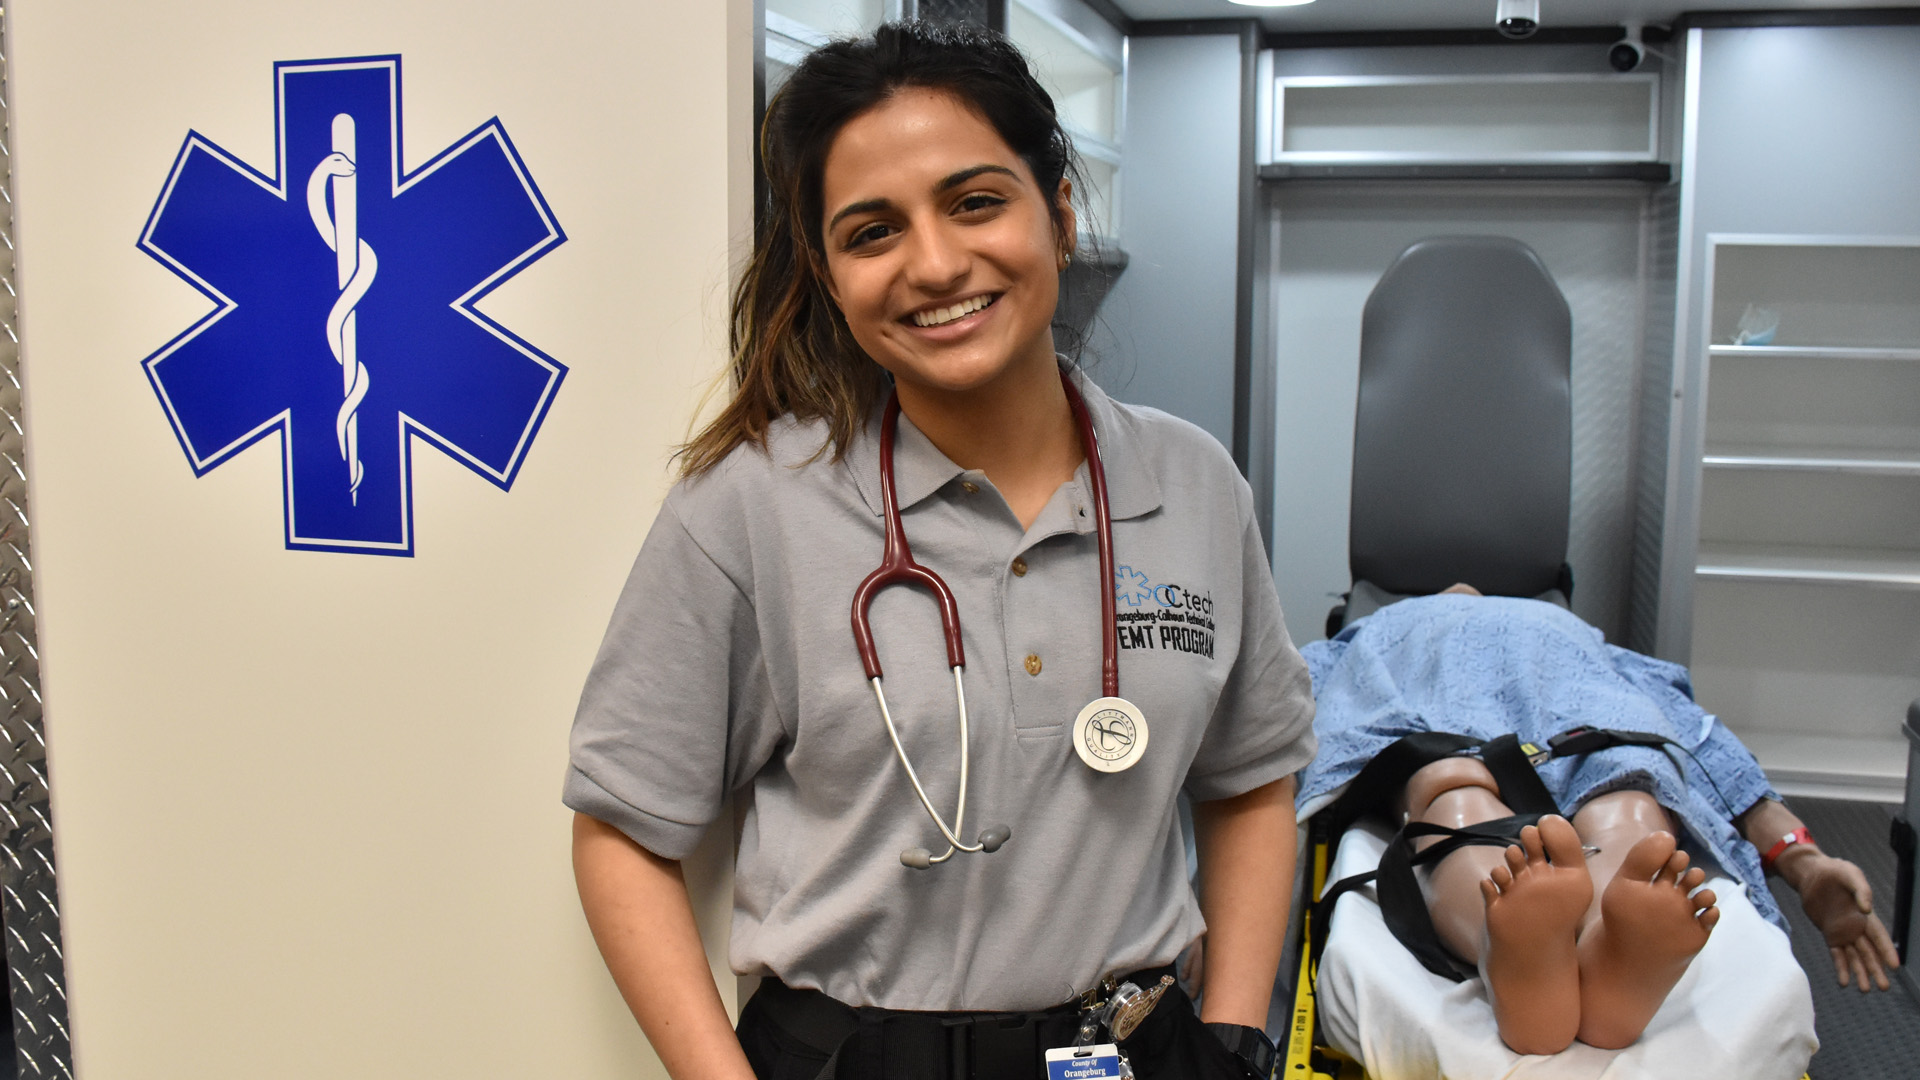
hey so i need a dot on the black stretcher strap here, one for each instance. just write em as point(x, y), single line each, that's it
point(1382, 778)
point(1402, 905)
point(1520, 786)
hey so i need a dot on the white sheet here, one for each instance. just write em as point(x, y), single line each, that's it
point(1743, 1009)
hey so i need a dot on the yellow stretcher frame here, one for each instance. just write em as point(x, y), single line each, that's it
point(1304, 1059)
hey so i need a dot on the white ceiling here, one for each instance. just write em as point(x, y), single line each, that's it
point(1337, 15)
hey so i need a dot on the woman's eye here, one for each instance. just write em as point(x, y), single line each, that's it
point(980, 202)
point(867, 234)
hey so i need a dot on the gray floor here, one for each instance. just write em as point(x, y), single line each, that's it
point(1862, 1036)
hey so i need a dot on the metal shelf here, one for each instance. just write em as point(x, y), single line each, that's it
point(1832, 767)
point(1809, 565)
point(1856, 460)
point(1637, 172)
point(1811, 352)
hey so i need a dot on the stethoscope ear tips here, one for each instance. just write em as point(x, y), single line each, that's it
point(918, 858)
point(991, 839)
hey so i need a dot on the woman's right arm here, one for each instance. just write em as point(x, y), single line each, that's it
point(637, 907)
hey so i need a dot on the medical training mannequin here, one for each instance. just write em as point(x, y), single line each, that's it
point(920, 213)
point(1582, 930)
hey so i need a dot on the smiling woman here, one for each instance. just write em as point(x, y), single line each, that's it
point(944, 255)
point(796, 351)
point(896, 387)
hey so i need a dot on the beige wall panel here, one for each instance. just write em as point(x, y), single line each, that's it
point(307, 804)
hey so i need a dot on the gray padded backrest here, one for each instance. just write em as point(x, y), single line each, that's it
point(1463, 444)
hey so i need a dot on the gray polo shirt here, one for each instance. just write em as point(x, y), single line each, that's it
point(730, 665)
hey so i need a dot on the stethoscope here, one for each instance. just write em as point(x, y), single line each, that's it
point(1110, 733)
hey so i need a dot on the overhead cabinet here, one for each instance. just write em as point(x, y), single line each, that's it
point(1523, 119)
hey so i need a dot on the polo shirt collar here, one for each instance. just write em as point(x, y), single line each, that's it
point(920, 469)
point(1133, 484)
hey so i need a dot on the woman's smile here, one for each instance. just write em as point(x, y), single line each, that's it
point(944, 317)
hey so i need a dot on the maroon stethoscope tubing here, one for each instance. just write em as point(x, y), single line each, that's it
point(897, 565)
point(1103, 528)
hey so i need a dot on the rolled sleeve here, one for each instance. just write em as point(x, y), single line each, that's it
point(676, 709)
point(1262, 726)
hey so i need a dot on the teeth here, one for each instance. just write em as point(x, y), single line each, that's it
point(940, 316)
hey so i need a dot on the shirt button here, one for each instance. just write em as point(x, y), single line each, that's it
point(969, 487)
point(1033, 663)
point(1019, 568)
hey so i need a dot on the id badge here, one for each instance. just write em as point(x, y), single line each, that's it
point(1083, 1062)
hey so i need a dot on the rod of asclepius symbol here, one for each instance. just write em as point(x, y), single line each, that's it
point(333, 203)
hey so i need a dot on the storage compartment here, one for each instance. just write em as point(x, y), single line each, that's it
point(1809, 403)
point(1084, 78)
point(1085, 84)
point(1806, 634)
point(1845, 512)
point(1823, 295)
point(1816, 679)
point(1507, 119)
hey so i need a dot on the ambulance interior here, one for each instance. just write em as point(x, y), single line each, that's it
point(1727, 197)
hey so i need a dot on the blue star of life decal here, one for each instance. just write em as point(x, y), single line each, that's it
point(1130, 586)
point(344, 293)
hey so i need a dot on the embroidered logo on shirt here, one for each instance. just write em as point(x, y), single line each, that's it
point(1131, 587)
point(1171, 618)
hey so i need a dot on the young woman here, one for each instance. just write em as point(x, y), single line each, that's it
point(897, 391)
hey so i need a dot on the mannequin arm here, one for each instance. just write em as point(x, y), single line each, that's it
point(1834, 893)
point(1246, 884)
point(637, 907)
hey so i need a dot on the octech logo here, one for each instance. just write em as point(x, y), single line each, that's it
point(1169, 617)
point(1173, 596)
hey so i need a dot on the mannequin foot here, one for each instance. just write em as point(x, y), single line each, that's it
point(1649, 931)
point(1534, 907)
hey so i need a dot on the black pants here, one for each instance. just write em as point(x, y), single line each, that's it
point(792, 1034)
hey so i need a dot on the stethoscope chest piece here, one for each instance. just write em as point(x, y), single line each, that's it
point(1110, 734)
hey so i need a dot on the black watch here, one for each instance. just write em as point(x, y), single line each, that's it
point(1250, 1045)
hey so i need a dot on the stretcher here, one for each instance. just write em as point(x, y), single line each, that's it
point(1745, 1009)
point(1462, 472)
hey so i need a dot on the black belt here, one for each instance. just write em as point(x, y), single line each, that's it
point(894, 1042)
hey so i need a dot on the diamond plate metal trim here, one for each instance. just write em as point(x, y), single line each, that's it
point(978, 12)
point(29, 911)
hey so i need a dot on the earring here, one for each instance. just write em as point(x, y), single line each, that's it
point(1067, 261)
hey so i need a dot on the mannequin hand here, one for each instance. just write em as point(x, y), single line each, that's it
point(1838, 899)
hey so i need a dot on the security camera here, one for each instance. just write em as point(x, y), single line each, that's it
point(1516, 18)
point(1627, 53)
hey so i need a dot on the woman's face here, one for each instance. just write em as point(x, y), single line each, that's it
point(941, 250)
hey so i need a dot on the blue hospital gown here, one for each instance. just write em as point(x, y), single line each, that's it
point(1485, 666)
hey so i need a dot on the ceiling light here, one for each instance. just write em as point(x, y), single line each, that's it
point(1272, 3)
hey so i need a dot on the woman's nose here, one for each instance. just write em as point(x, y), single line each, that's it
point(936, 260)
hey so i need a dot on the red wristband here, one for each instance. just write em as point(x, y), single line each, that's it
point(1797, 836)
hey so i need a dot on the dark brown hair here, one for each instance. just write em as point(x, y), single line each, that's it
point(792, 350)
